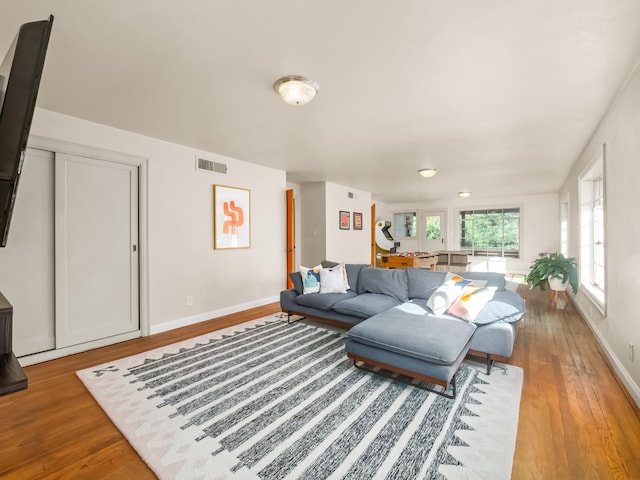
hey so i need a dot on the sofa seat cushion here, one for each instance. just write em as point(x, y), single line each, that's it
point(323, 301)
point(411, 331)
point(366, 305)
point(385, 281)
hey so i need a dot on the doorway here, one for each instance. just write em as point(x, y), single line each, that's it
point(432, 228)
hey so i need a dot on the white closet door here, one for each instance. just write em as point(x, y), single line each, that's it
point(26, 263)
point(96, 239)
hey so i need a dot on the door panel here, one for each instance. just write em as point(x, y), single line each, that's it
point(96, 242)
point(26, 263)
point(432, 230)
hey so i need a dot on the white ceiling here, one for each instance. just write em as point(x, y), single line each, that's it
point(499, 95)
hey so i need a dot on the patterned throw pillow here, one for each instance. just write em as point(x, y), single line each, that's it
point(447, 293)
point(471, 301)
point(310, 279)
point(332, 280)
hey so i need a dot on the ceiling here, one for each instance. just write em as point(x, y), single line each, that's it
point(500, 95)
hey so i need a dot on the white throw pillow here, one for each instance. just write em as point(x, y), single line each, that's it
point(310, 279)
point(332, 280)
point(471, 301)
point(447, 293)
point(344, 275)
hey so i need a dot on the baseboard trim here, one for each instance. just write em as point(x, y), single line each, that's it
point(618, 369)
point(54, 354)
point(202, 317)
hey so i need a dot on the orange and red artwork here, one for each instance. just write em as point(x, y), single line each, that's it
point(231, 217)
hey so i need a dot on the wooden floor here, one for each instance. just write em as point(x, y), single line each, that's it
point(575, 420)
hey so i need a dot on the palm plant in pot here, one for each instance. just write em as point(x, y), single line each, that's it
point(551, 268)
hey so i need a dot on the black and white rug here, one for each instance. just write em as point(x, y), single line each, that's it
point(271, 400)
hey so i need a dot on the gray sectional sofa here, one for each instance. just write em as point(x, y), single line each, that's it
point(393, 299)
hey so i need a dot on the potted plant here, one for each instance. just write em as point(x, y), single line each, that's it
point(556, 269)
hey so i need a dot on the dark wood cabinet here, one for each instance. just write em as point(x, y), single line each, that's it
point(12, 377)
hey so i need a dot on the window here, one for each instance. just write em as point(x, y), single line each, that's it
point(591, 191)
point(405, 224)
point(432, 224)
point(564, 228)
point(490, 232)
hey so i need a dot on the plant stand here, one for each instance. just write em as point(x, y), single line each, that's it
point(554, 297)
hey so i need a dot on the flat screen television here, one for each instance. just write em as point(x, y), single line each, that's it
point(20, 74)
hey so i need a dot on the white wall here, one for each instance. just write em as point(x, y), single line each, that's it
point(321, 237)
point(620, 325)
point(540, 220)
point(313, 237)
point(182, 260)
point(349, 246)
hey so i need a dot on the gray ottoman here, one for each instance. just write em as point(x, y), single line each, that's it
point(408, 341)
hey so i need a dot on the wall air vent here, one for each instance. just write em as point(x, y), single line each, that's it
point(210, 166)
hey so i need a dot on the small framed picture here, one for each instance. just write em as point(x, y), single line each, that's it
point(357, 220)
point(345, 220)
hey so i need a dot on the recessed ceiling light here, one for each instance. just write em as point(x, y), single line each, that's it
point(464, 194)
point(428, 172)
point(296, 90)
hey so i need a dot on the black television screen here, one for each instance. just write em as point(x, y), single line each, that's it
point(20, 74)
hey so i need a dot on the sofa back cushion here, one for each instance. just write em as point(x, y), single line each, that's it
point(353, 274)
point(296, 279)
point(422, 283)
point(385, 281)
point(493, 279)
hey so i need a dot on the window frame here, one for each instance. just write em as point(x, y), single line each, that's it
point(406, 213)
point(474, 252)
point(593, 244)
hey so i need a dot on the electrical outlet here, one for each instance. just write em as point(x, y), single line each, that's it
point(631, 353)
point(189, 300)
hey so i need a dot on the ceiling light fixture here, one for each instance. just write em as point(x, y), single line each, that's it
point(296, 90)
point(464, 194)
point(428, 172)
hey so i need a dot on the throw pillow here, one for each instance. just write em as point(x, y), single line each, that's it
point(470, 301)
point(310, 279)
point(447, 293)
point(345, 279)
point(332, 280)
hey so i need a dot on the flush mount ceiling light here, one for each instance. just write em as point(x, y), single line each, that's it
point(296, 90)
point(464, 194)
point(428, 172)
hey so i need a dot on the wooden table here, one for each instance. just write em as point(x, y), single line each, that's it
point(416, 260)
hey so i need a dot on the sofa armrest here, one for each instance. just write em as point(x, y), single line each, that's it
point(287, 298)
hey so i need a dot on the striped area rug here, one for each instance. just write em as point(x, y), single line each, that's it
point(271, 400)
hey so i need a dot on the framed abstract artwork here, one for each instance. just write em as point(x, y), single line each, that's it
point(357, 220)
point(345, 220)
point(231, 217)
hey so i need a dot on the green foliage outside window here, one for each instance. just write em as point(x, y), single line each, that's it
point(433, 228)
point(493, 231)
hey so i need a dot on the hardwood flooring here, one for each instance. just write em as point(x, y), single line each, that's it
point(576, 422)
